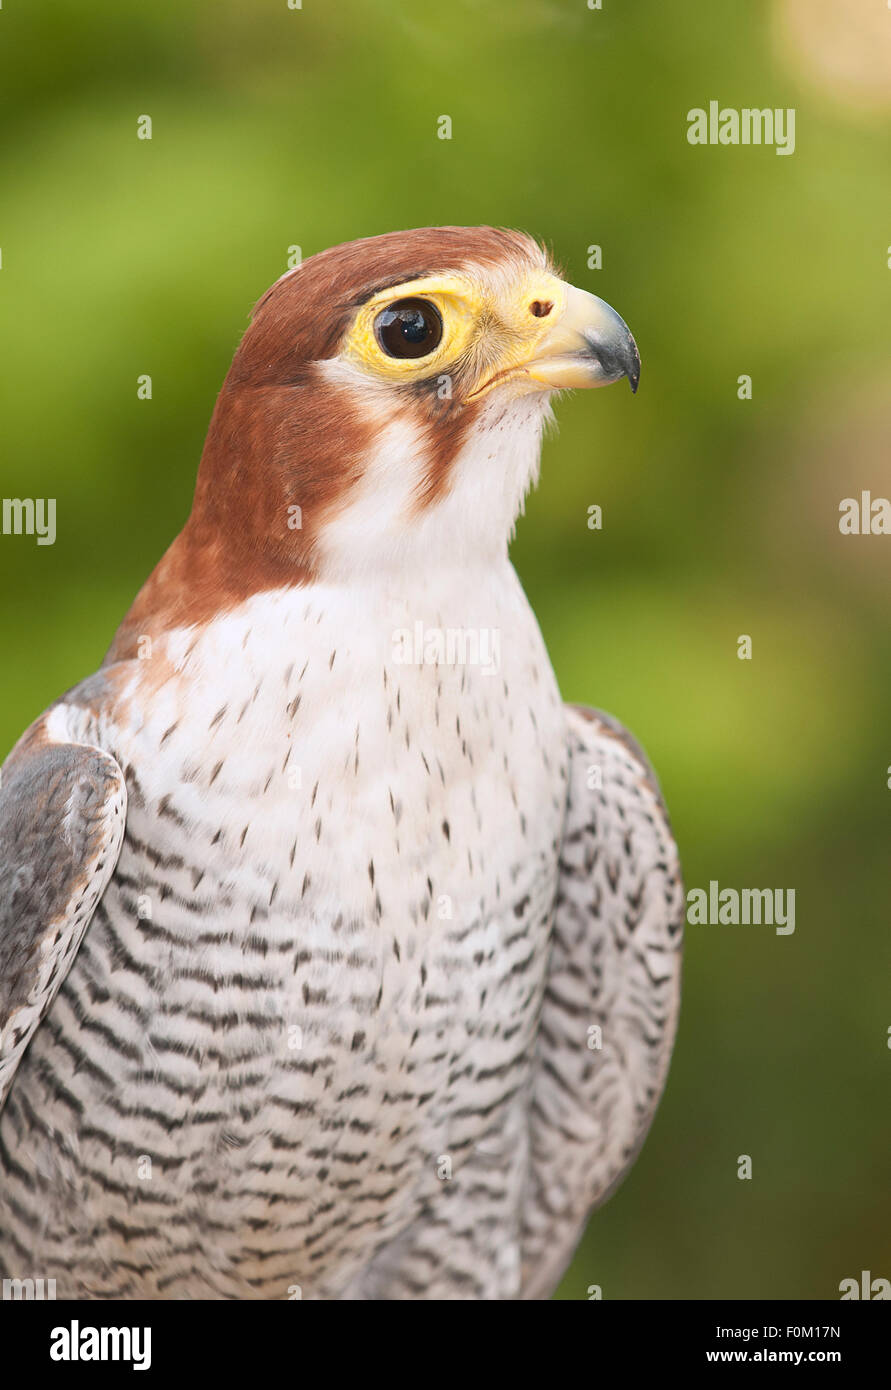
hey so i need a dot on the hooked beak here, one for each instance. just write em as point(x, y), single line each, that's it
point(587, 345)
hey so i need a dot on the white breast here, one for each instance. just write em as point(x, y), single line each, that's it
point(320, 726)
point(324, 948)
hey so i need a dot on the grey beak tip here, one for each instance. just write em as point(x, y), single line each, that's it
point(632, 363)
point(615, 350)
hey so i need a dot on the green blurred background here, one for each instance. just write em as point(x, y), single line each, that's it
point(274, 127)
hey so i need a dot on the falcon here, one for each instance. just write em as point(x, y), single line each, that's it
point(336, 964)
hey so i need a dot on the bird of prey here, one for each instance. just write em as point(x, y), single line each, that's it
point(339, 958)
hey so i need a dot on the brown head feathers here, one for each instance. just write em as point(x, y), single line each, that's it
point(285, 444)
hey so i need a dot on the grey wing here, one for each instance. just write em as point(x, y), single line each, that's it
point(62, 815)
point(610, 1008)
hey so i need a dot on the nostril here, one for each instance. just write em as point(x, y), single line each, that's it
point(541, 308)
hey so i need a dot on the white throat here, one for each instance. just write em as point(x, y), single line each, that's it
point(381, 530)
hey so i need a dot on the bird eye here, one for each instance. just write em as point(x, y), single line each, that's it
point(409, 328)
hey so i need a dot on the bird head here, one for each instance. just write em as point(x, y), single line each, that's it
point(385, 406)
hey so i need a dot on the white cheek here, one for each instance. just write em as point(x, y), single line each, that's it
point(381, 526)
point(370, 527)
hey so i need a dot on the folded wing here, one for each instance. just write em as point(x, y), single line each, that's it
point(62, 814)
point(610, 1008)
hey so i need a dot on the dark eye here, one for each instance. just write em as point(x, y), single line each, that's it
point(409, 328)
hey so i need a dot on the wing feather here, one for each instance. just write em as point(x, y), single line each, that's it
point(610, 1008)
point(62, 814)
